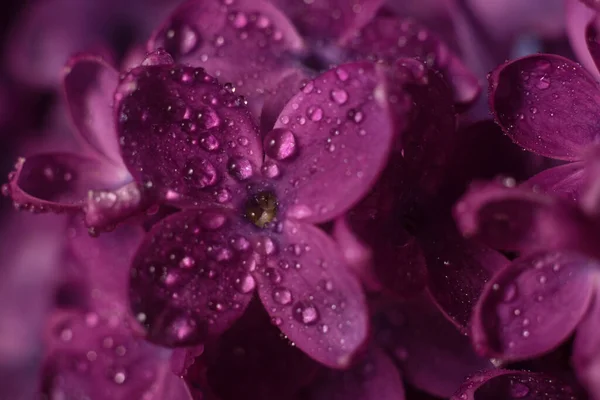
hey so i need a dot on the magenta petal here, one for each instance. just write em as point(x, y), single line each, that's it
point(331, 141)
point(579, 25)
point(389, 39)
point(105, 208)
point(374, 377)
point(262, 363)
point(434, 356)
point(519, 219)
point(185, 135)
point(59, 181)
point(103, 264)
point(546, 104)
point(506, 384)
point(532, 306)
point(586, 348)
point(189, 279)
point(333, 19)
point(90, 83)
point(246, 42)
point(595, 4)
point(565, 181)
point(92, 357)
point(313, 297)
point(458, 270)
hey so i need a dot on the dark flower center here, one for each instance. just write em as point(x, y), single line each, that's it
point(261, 209)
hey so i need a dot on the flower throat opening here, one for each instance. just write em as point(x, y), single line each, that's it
point(261, 209)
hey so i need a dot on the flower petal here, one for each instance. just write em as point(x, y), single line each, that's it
point(374, 238)
point(592, 4)
point(334, 19)
point(262, 363)
point(506, 384)
point(374, 377)
point(586, 347)
point(190, 277)
point(518, 219)
point(105, 208)
point(533, 305)
point(565, 181)
point(247, 42)
point(580, 21)
point(92, 356)
point(103, 264)
point(313, 297)
point(458, 270)
point(27, 289)
point(332, 138)
point(389, 39)
point(59, 181)
point(89, 84)
point(546, 104)
point(433, 355)
point(184, 135)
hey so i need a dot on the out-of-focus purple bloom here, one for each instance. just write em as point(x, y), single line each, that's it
point(550, 292)
point(49, 32)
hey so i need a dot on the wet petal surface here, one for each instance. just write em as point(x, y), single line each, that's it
point(59, 181)
point(458, 270)
point(547, 104)
point(248, 43)
point(262, 363)
point(506, 384)
point(433, 354)
point(533, 305)
point(184, 134)
point(190, 279)
point(388, 39)
point(565, 181)
point(312, 295)
point(374, 377)
point(90, 83)
point(92, 356)
point(586, 347)
point(519, 219)
point(334, 19)
point(331, 141)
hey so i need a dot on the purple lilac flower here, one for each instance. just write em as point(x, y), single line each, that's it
point(274, 183)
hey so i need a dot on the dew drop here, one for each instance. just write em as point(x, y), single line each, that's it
point(519, 390)
point(282, 296)
point(182, 38)
point(240, 243)
point(543, 83)
point(509, 294)
point(240, 168)
point(342, 74)
point(187, 262)
point(246, 284)
point(340, 96)
point(280, 144)
point(212, 221)
point(305, 313)
point(238, 19)
point(200, 172)
point(119, 377)
point(314, 113)
point(270, 169)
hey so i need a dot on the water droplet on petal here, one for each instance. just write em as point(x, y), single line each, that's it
point(543, 82)
point(306, 314)
point(187, 262)
point(270, 169)
point(119, 376)
point(509, 294)
point(280, 144)
point(240, 168)
point(245, 284)
point(282, 296)
point(183, 38)
point(212, 221)
point(340, 96)
point(201, 172)
point(314, 113)
point(342, 74)
point(238, 19)
point(519, 390)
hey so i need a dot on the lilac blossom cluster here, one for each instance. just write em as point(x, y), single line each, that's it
point(302, 200)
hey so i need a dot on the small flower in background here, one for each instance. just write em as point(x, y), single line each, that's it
point(280, 203)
